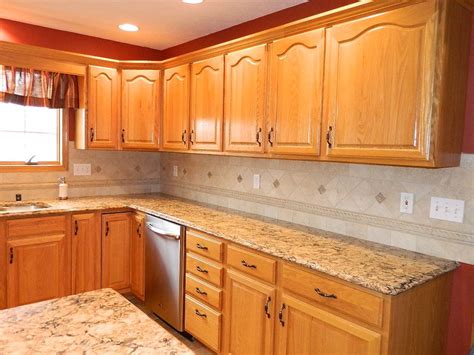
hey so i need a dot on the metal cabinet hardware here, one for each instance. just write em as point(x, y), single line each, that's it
point(138, 230)
point(267, 304)
point(107, 229)
point(183, 137)
point(92, 135)
point(191, 137)
point(123, 136)
point(324, 294)
point(200, 314)
point(270, 137)
point(259, 142)
point(11, 255)
point(202, 247)
point(76, 227)
point(204, 271)
point(280, 315)
point(198, 290)
point(251, 266)
point(328, 137)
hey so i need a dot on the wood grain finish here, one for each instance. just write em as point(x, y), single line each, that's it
point(41, 225)
point(203, 323)
point(205, 269)
point(296, 93)
point(3, 261)
point(207, 104)
point(251, 263)
point(245, 100)
point(353, 302)
point(86, 252)
point(306, 329)
point(137, 256)
point(176, 108)
point(103, 99)
point(116, 250)
point(140, 109)
point(204, 292)
point(205, 245)
point(378, 85)
point(250, 315)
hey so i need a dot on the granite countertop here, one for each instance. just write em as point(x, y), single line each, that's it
point(378, 267)
point(95, 322)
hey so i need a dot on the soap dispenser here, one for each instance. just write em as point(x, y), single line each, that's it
point(62, 188)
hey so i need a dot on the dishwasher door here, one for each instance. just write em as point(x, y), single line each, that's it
point(164, 270)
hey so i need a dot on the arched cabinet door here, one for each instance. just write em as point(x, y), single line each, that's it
point(140, 109)
point(379, 85)
point(244, 104)
point(176, 108)
point(296, 92)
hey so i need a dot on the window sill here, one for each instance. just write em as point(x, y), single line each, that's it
point(19, 168)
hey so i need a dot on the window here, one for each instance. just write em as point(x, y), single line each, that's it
point(30, 136)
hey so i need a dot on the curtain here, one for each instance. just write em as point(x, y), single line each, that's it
point(29, 87)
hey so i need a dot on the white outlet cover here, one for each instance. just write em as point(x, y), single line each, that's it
point(447, 209)
point(175, 170)
point(82, 169)
point(406, 202)
point(256, 181)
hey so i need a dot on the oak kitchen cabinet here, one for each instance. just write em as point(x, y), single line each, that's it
point(137, 256)
point(38, 259)
point(86, 252)
point(140, 109)
point(116, 250)
point(176, 108)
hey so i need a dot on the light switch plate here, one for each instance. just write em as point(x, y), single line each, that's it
point(406, 202)
point(447, 209)
point(256, 181)
point(175, 170)
point(82, 169)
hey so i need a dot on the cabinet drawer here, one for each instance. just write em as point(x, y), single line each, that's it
point(203, 291)
point(203, 323)
point(36, 226)
point(251, 263)
point(199, 244)
point(205, 269)
point(359, 304)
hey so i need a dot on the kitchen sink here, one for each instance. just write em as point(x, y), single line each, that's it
point(22, 206)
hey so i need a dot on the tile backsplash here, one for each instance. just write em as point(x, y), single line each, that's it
point(357, 200)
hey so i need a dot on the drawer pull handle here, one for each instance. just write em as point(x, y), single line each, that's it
point(269, 299)
point(11, 255)
point(198, 290)
point(202, 247)
point(107, 229)
point(324, 294)
point(251, 266)
point(76, 227)
point(202, 315)
point(328, 137)
point(198, 268)
point(280, 315)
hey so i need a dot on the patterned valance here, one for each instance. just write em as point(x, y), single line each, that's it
point(29, 87)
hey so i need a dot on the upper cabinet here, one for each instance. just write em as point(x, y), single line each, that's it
point(379, 85)
point(140, 109)
point(295, 93)
point(103, 97)
point(176, 108)
point(207, 101)
point(244, 109)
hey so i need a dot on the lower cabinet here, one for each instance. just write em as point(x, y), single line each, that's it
point(250, 315)
point(306, 329)
point(116, 250)
point(137, 256)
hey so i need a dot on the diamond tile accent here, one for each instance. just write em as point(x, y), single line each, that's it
point(276, 183)
point(209, 174)
point(185, 171)
point(321, 189)
point(380, 197)
point(138, 168)
point(239, 178)
point(98, 169)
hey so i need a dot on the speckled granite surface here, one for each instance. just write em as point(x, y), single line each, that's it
point(375, 266)
point(97, 322)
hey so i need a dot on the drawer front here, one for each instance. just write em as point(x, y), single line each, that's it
point(203, 323)
point(36, 226)
point(199, 244)
point(359, 304)
point(204, 291)
point(206, 270)
point(251, 263)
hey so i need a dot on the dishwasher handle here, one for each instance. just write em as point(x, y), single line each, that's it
point(161, 232)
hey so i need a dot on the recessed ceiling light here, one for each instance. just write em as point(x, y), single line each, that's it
point(128, 27)
point(192, 1)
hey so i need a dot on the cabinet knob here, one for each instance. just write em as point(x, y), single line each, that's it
point(280, 315)
point(259, 142)
point(183, 137)
point(270, 137)
point(92, 134)
point(267, 304)
point(328, 137)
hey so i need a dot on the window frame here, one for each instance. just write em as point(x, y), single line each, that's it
point(44, 166)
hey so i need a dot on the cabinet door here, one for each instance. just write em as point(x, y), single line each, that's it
point(176, 108)
point(137, 256)
point(102, 108)
point(39, 268)
point(207, 104)
point(305, 329)
point(116, 251)
point(250, 315)
point(244, 108)
point(379, 85)
point(140, 109)
point(85, 253)
point(296, 90)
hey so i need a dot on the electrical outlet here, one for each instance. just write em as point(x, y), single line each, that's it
point(447, 209)
point(82, 169)
point(256, 181)
point(406, 202)
point(175, 170)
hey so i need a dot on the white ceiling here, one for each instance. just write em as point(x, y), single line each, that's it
point(163, 23)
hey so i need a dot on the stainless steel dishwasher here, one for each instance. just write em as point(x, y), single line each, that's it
point(164, 270)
